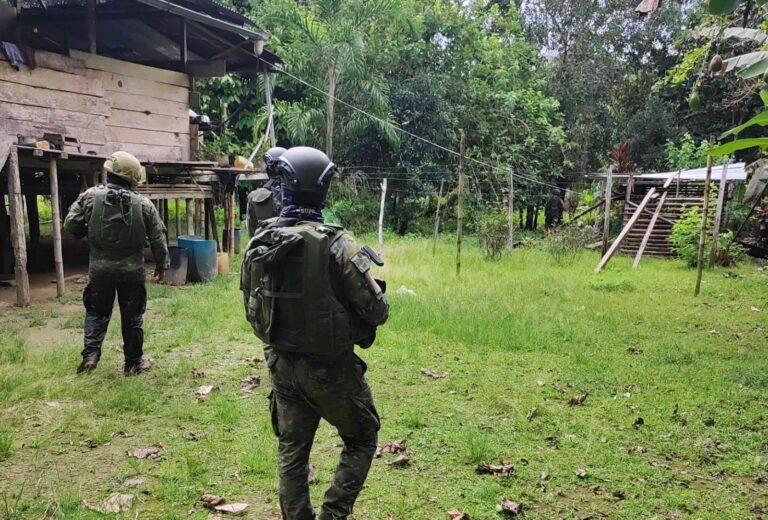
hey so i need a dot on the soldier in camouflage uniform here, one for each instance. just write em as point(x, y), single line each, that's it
point(117, 222)
point(310, 296)
point(267, 201)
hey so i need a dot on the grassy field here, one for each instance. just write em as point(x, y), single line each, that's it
point(674, 423)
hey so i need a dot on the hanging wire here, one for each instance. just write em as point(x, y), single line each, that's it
point(409, 133)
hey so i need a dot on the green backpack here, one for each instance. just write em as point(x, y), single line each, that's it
point(288, 296)
point(116, 226)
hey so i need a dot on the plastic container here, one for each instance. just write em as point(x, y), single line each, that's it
point(177, 273)
point(237, 240)
point(222, 263)
point(202, 258)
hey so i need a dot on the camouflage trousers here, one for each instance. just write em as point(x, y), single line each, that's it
point(306, 389)
point(99, 298)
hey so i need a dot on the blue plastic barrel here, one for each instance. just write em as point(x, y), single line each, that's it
point(202, 258)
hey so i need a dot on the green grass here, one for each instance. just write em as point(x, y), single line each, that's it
point(510, 336)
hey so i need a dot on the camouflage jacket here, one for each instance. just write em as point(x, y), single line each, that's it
point(76, 223)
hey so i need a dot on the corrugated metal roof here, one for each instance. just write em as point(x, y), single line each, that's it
point(736, 173)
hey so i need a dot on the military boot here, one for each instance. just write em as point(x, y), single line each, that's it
point(136, 366)
point(88, 364)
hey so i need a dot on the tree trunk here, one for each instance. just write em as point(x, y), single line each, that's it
point(535, 219)
point(529, 218)
point(329, 109)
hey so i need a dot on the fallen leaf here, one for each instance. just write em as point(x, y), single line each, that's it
point(390, 447)
point(255, 360)
point(53, 404)
point(618, 494)
point(210, 501)
point(90, 444)
point(455, 514)
point(544, 475)
point(152, 453)
point(581, 473)
point(510, 508)
point(252, 382)
point(191, 436)
point(533, 412)
point(203, 391)
point(754, 309)
point(196, 374)
point(312, 474)
point(232, 509)
point(133, 482)
point(405, 291)
point(505, 469)
point(431, 373)
point(114, 503)
point(401, 461)
point(634, 351)
point(539, 382)
point(577, 400)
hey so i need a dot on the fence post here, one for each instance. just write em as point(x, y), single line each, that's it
point(703, 233)
point(437, 217)
point(460, 208)
point(607, 209)
point(718, 213)
point(381, 215)
point(511, 211)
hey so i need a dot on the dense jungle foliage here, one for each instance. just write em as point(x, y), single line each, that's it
point(546, 88)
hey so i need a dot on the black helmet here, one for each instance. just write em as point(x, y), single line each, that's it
point(270, 159)
point(306, 172)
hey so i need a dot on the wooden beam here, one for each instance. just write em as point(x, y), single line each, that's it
point(718, 213)
point(58, 259)
point(624, 232)
point(649, 231)
point(18, 237)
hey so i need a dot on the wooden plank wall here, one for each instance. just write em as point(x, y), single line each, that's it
point(107, 104)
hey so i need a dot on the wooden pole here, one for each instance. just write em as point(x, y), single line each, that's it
point(18, 237)
point(176, 208)
point(703, 233)
point(207, 218)
point(91, 17)
point(624, 232)
point(651, 224)
point(607, 216)
point(214, 228)
point(231, 223)
point(198, 217)
point(381, 215)
point(718, 213)
point(58, 258)
point(511, 211)
point(270, 109)
point(460, 208)
point(437, 217)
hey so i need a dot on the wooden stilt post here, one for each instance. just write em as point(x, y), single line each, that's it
point(190, 218)
point(718, 213)
point(437, 217)
point(6, 253)
point(214, 228)
point(381, 215)
point(460, 207)
point(703, 233)
point(176, 211)
point(198, 217)
point(18, 237)
point(58, 258)
point(207, 218)
point(607, 209)
point(511, 211)
point(91, 18)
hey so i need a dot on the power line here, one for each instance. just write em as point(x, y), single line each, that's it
point(411, 134)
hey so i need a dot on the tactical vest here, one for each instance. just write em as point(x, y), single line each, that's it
point(289, 297)
point(116, 225)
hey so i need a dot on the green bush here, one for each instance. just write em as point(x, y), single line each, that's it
point(492, 234)
point(685, 241)
point(565, 244)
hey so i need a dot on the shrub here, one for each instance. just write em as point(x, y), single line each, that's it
point(492, 234)
point(685, 241)
point(566, 244)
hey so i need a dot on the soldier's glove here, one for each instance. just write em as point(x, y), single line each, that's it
point(382, 284)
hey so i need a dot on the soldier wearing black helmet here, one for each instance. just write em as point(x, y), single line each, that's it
point(310, 296)
point(266, 202)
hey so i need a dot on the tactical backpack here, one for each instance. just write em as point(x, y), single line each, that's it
point(116, 225)
point(261, 206)
point(288, 294)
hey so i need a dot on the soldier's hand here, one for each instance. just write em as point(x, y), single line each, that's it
point(158, 276)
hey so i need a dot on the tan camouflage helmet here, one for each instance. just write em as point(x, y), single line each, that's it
point(125, 166)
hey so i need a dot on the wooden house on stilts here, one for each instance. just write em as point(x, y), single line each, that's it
point(80, 79)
